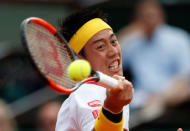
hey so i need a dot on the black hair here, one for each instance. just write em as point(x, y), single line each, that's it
point(69, 26)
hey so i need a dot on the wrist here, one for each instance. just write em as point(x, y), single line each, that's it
point(114, 109)
point(112, 116)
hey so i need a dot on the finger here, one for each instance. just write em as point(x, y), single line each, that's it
point(119, 77)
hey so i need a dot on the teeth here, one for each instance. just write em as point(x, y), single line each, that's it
point(114, 65)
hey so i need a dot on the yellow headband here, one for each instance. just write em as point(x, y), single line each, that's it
point(86, 32)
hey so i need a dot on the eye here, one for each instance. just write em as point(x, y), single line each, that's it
point(100, 46)
point(114, 42)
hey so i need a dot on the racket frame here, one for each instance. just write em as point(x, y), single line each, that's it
point(52, 30)
point(96, 76)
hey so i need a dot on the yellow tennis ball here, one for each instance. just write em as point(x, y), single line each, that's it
point(79, 70)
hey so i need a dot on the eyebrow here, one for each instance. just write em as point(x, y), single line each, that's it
point(113, 34)
point(101, 39)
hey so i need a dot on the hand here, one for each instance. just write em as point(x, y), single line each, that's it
point(119, 96)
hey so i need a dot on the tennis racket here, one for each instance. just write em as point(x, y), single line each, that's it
point(51, 55)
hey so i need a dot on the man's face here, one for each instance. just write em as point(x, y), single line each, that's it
point(150, 15)
point(104, 53)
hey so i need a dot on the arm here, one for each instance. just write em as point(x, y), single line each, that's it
point(116, 99)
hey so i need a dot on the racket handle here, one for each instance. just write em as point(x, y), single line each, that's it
point(106, 80)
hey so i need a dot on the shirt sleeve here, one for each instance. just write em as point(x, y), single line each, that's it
point(66, 117)
point(126, 117)
point(87, 108)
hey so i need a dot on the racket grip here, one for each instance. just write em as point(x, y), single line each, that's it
point(106, 80)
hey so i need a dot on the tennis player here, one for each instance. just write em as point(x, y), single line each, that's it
point(93, 107)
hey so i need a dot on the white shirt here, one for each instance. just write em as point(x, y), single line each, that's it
point(80, 109)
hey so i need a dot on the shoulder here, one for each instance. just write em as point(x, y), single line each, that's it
point(174, 32)
point(176, 38)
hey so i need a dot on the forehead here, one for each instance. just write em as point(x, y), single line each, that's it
point(104, 34)
point(98, 37)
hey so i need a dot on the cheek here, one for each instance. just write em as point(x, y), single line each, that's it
point(97, 61)
point(119, 50)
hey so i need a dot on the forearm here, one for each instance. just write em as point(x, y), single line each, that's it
point(110, 116)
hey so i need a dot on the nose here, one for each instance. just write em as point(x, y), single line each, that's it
point(112, 50)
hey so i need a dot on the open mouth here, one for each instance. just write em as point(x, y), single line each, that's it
point(114, 66)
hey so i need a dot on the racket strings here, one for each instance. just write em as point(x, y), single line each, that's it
point(50, 55)
point(65, 47)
